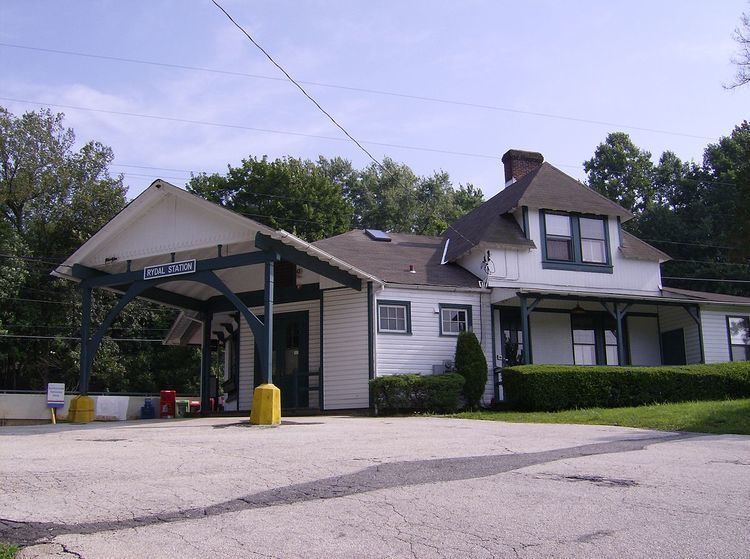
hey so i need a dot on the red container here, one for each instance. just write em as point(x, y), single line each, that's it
point(167, 403)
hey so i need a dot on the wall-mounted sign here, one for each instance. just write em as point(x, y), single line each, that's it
point(171, 269)
point(55, 394)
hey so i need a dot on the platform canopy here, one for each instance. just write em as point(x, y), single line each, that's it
point(177, 249)
point(165, 224)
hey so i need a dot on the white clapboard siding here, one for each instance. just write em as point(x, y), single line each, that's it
point(514, 268)
point(715, 332)
point(673, 318)
point(247, 346)
point(645, 347)
point(345, 350)
point(424, 347)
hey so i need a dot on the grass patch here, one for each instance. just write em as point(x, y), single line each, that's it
point(720, 417)
point(8, 551)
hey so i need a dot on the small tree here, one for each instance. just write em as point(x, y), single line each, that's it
point(472, 365)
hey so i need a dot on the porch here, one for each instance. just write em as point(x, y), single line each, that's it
point(584, 328)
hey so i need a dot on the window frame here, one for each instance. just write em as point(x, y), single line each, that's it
point(450, 306)
point(729, 337)
point(599, 323)
point(577, 263)
point(406, 305)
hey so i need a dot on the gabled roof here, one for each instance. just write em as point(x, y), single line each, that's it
point(390, 261)
point(546, 188)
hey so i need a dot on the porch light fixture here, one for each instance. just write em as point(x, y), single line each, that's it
point(578, 309)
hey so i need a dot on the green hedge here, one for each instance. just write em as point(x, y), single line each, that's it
point(413, 392)
point(559, 387)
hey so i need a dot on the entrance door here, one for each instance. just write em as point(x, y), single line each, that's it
point(290, 359)
point(673, 347)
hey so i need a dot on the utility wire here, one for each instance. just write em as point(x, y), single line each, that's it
point(73, 338)
point(293, 133)
point(252, 128)
point(361, 90)
point(719, 280)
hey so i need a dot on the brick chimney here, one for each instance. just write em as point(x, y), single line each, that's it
point(519, 163)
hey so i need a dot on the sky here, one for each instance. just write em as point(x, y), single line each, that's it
point(516, 75)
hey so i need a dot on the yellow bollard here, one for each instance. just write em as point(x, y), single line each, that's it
point(81, 409)
point(54, 416)
point(266, 405)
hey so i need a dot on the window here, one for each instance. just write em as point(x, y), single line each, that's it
point(559, 237)
point(594, 339)
point(584, 346)
point(394, 317)
point(573, 242)
point(739, 337)
point(454, 319)
point(593, 240)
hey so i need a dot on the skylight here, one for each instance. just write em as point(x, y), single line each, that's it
point(378, 235)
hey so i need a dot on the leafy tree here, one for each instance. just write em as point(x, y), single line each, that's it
point(742, 59)
point(286, 193)
point(471, 364)
point(698, 214)
point(394, 198)
point(622, 172)
point(52, 199)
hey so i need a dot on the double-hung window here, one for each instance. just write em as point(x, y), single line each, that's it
point(454, 319)
point(739, 337)
point(575, 242)
point(594, 340)
point(394, 317)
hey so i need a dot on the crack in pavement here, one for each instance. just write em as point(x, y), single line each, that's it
point(381, 476)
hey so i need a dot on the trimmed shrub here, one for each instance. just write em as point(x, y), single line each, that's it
point(404, 393)
point(559, 387)
point(471, 364)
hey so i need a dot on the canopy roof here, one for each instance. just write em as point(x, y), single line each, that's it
point(165, 224)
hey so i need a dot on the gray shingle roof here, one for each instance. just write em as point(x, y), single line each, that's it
point(545, 188)
point(633, 247)
point(390, 261)
point(703, 296)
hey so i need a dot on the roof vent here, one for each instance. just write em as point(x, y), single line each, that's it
point(378, 235)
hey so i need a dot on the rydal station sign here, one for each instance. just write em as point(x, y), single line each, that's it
point(171, 269)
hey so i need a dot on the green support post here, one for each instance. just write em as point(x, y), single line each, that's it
point(206, 364)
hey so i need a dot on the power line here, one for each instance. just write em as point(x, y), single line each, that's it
point(719, 280)
point(72, 338)
point(251, 128)
point(439, 100)
point(320, 108)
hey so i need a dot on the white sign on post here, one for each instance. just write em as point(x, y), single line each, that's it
point(55, 394)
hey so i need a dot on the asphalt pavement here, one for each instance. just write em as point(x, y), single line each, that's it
point(371, 487)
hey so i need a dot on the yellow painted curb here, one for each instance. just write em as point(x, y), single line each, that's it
point(81, 409)
point(266, 405)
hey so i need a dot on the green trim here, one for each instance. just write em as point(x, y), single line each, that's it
point(206, 364)
point(469, 322)
point(305, 292)
point(291, 254)
point(405, 304)
point(577, 264)
point(97, 278)
point(729, 333)
point(370, 328)
point(525, 219)
point(320, 365)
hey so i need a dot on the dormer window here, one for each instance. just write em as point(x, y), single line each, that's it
point(575, 242)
